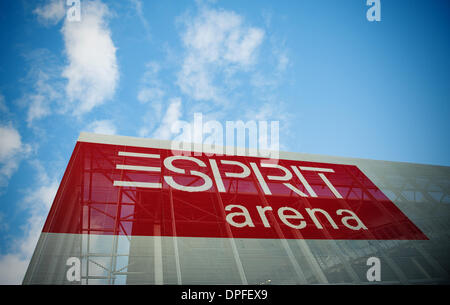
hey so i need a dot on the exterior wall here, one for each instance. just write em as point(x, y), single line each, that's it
point(119, 255)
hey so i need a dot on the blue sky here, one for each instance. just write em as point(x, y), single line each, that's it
point(337, 83)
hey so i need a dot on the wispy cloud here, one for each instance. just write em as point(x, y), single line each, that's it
point(44, 93)
point(140, 13)
point(12, 151)
point(102, 127)
point(217, 42)
point(166, 128)
point(92, 72)
point(52, 12)
point(37, 204)
point(13, 268)
point(171, 117)
point(151, 88)
point(148, 94)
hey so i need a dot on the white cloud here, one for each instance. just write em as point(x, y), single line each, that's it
point(218, 35)
point(140, 14)
point(13, 269)
point(91, 75)
point(150, 90)
point(273, 110)
point(170, 119)
point(216, 41)
point(12, 151)
point(263, 81)
point(37, 203)
point(41, 100)
point(15, 263)
point(280, 53)
point(52, 12)
point(40, 199)
point(102, 127)
point(270, 109)
point(11, 142)
point(92, 71)
point(150, 94)
point(283, 61)
point(39, 107)
point(151, 118)
point(43, 77)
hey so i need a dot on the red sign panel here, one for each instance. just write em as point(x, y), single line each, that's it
point(123, 190)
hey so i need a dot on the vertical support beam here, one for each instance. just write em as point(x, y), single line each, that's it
point(175, 239)
point(261, 194)
point(158, 263)
point(234, 249)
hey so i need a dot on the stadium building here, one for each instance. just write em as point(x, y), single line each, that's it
point(136, 211)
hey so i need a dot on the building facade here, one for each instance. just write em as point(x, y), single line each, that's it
point(136, 211)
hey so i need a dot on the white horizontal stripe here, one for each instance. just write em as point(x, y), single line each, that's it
point(316, 169)
point(138, 184)
point(139, 168)
point(133, 154)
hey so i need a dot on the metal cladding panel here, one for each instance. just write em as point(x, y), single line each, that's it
point(134, 211)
